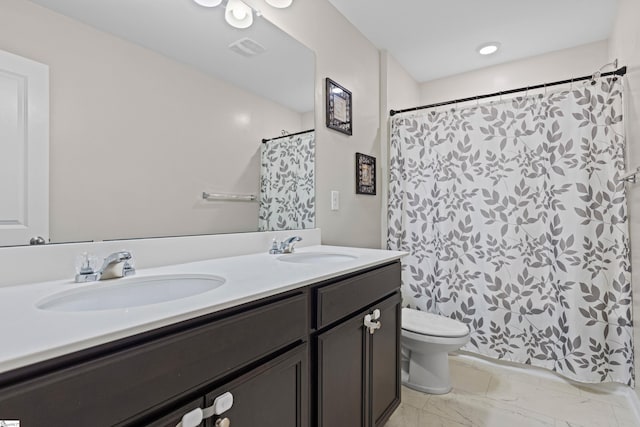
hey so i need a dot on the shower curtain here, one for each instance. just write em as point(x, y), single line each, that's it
point(516, 225)
point(287, 183)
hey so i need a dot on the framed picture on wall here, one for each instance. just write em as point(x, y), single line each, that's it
point(338, 106)
point(365, 174)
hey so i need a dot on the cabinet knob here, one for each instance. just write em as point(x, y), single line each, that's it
point(223, 422)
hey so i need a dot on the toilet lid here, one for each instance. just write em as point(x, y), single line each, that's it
point(424, 323)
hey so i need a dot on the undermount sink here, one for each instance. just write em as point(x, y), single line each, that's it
point(317, 258)
point(130, 292)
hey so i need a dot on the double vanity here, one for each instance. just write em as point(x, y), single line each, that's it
point(309, 338)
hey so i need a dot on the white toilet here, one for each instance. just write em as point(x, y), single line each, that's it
point(426, 342)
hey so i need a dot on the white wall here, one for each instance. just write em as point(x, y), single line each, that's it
point(625, 46)
point(401, 89)
point(397, 90)
point(559, 65)
point(136, 137)
point(347, 57)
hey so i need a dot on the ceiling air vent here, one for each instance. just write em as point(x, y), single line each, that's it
point(247, 47)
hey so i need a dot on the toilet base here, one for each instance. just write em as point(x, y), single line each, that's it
point(427, 373)
point(428, 390)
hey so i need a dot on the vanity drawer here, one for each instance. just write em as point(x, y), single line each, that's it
point(116, 387)
point(340, 299)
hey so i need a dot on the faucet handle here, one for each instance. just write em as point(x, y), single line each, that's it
point(275, 247)
point(87, 268)
point(129, 268)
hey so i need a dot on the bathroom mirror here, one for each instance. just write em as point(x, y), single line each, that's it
point(152, 103)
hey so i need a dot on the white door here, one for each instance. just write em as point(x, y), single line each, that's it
point(24, 150)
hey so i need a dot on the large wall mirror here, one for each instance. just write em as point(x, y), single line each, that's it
point(152, 103)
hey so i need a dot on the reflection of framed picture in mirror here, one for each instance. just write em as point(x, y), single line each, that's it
point(338, 108)
point(365, 174)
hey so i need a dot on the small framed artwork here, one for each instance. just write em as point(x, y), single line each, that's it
point(365, 174)
point(338, 107)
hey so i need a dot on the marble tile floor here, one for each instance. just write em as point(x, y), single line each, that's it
point(489, 395)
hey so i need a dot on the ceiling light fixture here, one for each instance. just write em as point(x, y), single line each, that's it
point(488, 48)
point(280, 4)
point(238, 14)
point(208, 3)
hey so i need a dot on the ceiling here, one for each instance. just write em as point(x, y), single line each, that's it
point(437, 38)
point(199, 37)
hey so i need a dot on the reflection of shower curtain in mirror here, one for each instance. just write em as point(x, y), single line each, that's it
point(287, 183)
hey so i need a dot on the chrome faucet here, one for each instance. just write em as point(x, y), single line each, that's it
point(287, 246)
point(88, 274)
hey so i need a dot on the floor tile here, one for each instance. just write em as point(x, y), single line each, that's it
point(414, 398)
point(471, 410)
point(566, 424)
point(625, 417)
point(404, 416)
point(552, 402)
point(489, 395)
point(469, 378)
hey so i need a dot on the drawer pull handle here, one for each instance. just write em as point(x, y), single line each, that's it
point(221, 404)
point(370, 321)
point(223, 422)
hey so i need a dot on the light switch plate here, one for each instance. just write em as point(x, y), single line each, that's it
point(335, 200)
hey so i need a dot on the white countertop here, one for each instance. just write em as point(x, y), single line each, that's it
point(29, 334)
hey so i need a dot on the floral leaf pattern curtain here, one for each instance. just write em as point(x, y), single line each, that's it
point(287, 183)
point(516, 225)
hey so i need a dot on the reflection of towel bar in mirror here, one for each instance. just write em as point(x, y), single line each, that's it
point(218, 197)
point(631, 177)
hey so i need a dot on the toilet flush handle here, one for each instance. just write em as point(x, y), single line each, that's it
point(371, 321)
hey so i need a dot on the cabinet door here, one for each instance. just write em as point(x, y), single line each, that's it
point(341, 358)
point(385, 361)
point(359, 372)
point(272, 395)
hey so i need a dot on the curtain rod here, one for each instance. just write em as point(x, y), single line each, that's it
point(265, 140)
point(619, 72)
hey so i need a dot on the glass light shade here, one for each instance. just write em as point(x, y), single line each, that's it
point(280, 4)
point(208, 3)
point(238, 14)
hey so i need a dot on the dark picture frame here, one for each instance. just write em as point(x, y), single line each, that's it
point(365, 174)
point(338, 108)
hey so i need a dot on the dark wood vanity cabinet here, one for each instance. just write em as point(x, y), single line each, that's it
point(271, 395)
point(357, 369)
point(147, 378)
point(297, 359)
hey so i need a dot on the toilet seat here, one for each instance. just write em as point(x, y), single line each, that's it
point(423, 323)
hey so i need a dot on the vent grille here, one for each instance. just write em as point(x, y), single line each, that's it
point(247, 47)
